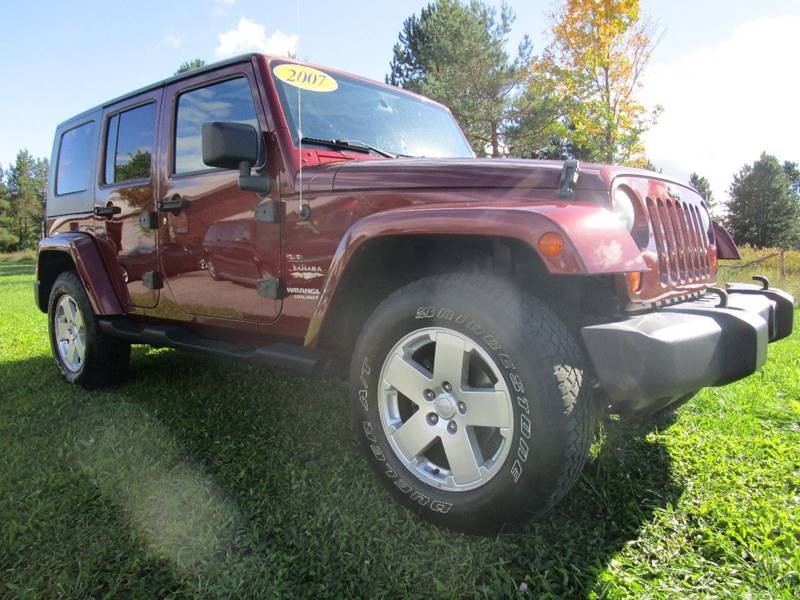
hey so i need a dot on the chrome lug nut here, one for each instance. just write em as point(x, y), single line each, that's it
point(447, 387)
point(462, 408)
point(433, 418)
point(429, 395)
point(452, 427)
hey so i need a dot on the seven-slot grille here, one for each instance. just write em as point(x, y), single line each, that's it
point(681, 240)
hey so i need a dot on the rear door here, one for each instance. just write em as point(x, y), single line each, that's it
point(214, 252)
point(126, 190)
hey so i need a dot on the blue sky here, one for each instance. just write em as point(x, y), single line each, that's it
point(724, 70)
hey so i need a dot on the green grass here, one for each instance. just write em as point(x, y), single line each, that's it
point(215, 479)
point(742, 270)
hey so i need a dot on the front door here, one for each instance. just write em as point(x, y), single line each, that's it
point(215, 254)
point(126, 191)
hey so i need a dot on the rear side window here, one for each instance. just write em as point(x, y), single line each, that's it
point(225, 101)
point(129, 144)
point(75, 160)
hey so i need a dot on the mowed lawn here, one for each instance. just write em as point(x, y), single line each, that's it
point(209, 478)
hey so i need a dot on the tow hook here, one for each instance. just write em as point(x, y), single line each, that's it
point(762, 280)
point(723, 296)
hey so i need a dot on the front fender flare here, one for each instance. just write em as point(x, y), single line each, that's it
point(89, 265)
point(596, 242)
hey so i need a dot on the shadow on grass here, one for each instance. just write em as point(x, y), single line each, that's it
point(23, 267)
point(272, 454)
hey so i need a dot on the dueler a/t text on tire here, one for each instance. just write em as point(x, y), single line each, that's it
point(470, 399)
point(83, 353)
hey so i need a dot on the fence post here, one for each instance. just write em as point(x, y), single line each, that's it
point(783, 264)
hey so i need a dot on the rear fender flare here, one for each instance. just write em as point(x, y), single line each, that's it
point(596, 242)
point(84, 254)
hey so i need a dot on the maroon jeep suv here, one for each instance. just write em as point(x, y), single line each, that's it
point(487, 310)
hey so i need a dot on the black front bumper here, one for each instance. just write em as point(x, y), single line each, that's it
point(649, 361)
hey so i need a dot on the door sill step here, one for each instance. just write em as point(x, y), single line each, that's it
point(283, 355)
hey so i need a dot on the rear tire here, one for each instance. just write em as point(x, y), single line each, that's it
point(84, 355)
point(521, 361)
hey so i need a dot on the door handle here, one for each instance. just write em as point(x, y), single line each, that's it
point(174, 205)
point(108, 210)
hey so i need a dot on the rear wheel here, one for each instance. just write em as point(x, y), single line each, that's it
point(83, 353)
point(468, 394)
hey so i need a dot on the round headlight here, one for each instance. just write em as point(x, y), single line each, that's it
point(623, 208)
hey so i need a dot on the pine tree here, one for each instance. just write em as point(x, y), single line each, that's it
point(703, 186)
point(26, 192)
point(6, 235)
point(763, 210)
point(454, 52)
point(190, 65)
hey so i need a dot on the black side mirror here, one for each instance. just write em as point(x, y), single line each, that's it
point(229, 145)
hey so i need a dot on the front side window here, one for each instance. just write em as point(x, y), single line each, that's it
point(75, 158)
point(229, 100)
point(129, 144)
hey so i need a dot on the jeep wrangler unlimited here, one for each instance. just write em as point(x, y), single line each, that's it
point(487, 309)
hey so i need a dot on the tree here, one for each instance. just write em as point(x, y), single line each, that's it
point(703, 186)
point(596, 59)
point(793, 173)
point(190, 65)
point(454, 52)
point(6, 233)
point(23, 209)
point(763, 209)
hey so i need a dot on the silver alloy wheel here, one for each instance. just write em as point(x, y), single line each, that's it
point(70, 332)
point(445, 409)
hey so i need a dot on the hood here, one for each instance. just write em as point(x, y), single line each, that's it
point(462, 173)
point(494, 173)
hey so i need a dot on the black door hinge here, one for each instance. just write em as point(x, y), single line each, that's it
point(269, 287)
point(267, 212)
point(152, 280)
point(107, 211)
point(148, 220)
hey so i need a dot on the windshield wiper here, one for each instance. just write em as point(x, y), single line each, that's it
point(347, 145)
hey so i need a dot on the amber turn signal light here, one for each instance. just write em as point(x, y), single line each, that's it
point(634, 281)
point(551, 244)
point(713, 261)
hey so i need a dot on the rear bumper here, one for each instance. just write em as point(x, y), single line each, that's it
point(648, 361)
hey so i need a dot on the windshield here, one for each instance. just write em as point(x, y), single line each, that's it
point(347, 109)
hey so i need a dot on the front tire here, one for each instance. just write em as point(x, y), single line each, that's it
point(84, 355)
point(469, 396)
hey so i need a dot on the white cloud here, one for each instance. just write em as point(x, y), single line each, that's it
point(250, 36)
point(173, 40)
point(725, 104)
point(221, 7)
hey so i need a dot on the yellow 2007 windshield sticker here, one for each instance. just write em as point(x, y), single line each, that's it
point(305, 78)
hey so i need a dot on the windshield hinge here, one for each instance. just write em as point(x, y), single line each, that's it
point(568, 179)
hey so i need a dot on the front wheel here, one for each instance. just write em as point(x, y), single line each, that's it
point(469, 396)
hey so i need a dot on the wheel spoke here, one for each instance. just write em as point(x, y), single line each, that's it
point(486, 408)
point(415, 435)
point(463, 455)
point(78, 318)
point(79, 346)
point(70, 353)
point(448, 363)
point(61, 329)
point(407, 378)
point(71, 310)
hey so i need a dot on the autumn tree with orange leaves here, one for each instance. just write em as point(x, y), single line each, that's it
point(595, 62)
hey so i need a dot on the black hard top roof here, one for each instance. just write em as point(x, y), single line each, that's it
point(194, 72)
